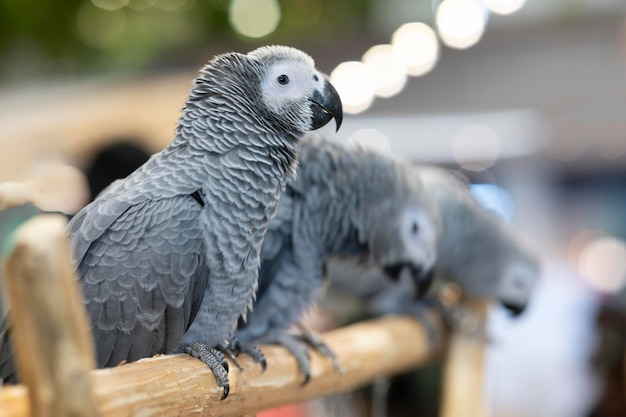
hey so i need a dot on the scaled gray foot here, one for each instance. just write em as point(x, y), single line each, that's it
point(212, 358)
point(315, 341)
point(233, 347)
point(298, 344)
point(298, 348)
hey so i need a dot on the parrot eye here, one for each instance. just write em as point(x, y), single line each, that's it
point(414, 228)
point(282, 79)
point(519, 283)
point(315, 78)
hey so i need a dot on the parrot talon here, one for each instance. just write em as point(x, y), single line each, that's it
point(215, 360)
point(255, 353)
point(316, 342)
point(225, 392)
point(233, 347)
point(307, 378)
point(227, 348)
point(295, 346)
point(224, 363)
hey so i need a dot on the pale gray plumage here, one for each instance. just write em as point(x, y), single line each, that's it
point(477, 250)
point(347, 202)
point(189, 223)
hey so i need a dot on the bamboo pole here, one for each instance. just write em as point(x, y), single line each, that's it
point(464, 382)
point(178, 385)
point(53, 347)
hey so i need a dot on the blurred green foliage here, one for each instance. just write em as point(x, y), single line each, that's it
point(68, 37)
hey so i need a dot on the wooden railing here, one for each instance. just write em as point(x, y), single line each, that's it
point(54, 352)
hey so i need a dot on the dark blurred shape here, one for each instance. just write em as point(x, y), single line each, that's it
point(113, 162)
point(610, 357)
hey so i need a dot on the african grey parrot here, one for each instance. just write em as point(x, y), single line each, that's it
point(186, 227)
point(346, 201)
point(476, 250)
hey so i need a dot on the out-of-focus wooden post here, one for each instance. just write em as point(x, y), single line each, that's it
point(50, 335)
point(13, 194)
point(464, 369)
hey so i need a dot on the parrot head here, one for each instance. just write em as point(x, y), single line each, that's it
point(402, 227)
point(415, 248)
point(298, 95)
point(517, 283)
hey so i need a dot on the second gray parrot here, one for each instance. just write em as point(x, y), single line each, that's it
point(477, 250)
point(348, 202)
point(184, 231)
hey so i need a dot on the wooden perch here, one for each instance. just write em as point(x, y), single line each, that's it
point(54, 351)
point(50, 335)
point(179, 385)
point(463, 378)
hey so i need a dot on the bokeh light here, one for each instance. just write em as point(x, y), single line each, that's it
point(355, 84)
point(602, 264)
point(110, 5)
point(140, 5)
point(301, 14)
point(173, 5)
point(461, 23)
point(417, 45)
point(98, 27)
point(388, 69)
point(254, 18)
point(504, 7)
point(476, 147)
point(371, 139)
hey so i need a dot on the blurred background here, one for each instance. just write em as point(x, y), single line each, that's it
point(525, 98)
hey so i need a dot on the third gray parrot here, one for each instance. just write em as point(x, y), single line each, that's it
point(477, 250)
point(349, 202)
point(184, 231)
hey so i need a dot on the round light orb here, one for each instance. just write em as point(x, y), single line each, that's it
point(254, 18)
point(504, 7)
point(476, 147)
point(110, 5)
point(370, 138)
point(417, 45)
point(602, 264)
point(461, 23)
point(355, 84)
point(388, 69)
point(98, 27)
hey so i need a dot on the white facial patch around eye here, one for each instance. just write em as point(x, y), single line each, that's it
point(419, 233)
point(289, 80)
point(517, 282)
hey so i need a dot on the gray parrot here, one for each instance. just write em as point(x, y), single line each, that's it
point(184, 231)
point(476, 250)
point(348, 202)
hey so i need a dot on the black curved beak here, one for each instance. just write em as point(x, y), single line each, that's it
point(326, 105)
point(422, 279)
point(393, 271)
point(514, 309)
